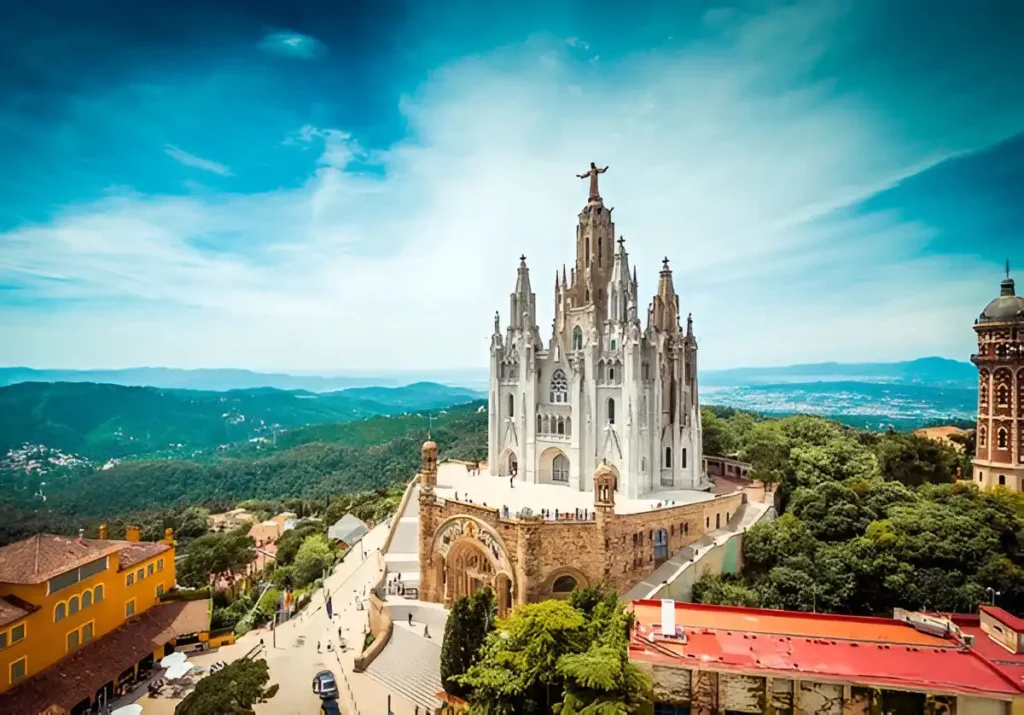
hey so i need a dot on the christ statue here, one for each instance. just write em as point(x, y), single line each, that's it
point(594, 171)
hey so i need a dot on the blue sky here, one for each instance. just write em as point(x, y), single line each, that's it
point(323, 185)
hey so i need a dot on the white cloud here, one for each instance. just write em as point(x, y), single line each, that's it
point(728, 174)
point(197, 162)
point(293, 44)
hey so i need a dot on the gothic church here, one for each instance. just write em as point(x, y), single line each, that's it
point(603, 389)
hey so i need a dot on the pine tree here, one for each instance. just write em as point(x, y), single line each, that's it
point(468, 624)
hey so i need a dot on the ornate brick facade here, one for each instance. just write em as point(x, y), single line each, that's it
point(463, 546)
point(999, 457)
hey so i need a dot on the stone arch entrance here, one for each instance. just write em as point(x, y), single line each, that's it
point(470, 556)
point(554, 466)
point(508, 463)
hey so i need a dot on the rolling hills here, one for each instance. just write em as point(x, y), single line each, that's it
point(101, 421)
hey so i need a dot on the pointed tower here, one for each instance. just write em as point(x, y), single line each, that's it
point(621, 292)
point(523, 302)
point(665, 315)
point(999, 456)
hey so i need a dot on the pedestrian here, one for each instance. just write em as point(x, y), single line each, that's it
point(511, 481)
point(410, 618)
point(426, 631)
point(318, 646)
point(339, 633)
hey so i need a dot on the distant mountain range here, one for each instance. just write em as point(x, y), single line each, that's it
point(104, 421)
point(221, 379)
point(928, 370)
point(141, 410)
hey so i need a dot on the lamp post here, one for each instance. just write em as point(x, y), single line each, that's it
point(992, 595)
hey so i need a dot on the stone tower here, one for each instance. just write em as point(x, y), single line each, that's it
point(999, 456)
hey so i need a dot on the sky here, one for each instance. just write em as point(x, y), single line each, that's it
point(321, 186)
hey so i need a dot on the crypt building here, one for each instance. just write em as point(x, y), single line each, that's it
point(604, 388)
point(999, 456)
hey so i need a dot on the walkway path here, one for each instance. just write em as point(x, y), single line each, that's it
point(410, 665)
point(292, 652)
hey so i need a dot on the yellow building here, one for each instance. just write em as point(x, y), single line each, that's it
point(92, 601)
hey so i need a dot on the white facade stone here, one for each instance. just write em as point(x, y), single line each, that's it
point(602, 388)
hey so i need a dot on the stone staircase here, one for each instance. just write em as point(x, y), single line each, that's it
point(410, 665)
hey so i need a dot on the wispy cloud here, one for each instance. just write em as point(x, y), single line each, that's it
point(293, 44)
point(197, 162)
point(729, 157)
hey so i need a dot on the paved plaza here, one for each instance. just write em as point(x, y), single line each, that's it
point(453, 478)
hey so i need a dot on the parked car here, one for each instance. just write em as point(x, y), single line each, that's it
point(325, 685)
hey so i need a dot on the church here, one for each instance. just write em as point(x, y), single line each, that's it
point(604, 389)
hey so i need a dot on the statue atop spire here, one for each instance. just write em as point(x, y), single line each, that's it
point(592, 174)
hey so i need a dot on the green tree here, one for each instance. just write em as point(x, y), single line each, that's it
point(915, 460)
point(471, 619)
point(214, 554)
point(314, 557)
point(724, 590)
point(518, 668)
point(602, 680)
point(233, 690)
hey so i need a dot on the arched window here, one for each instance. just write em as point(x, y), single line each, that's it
point(643, 465)
point(559, 387)
point(560, 469)
point(568, 425)
point(511, 406)
point(613, 343)
point(611, 411)
point(1002, 439)
point(577, 338)
point(563, 584)
point(97, 594)
point(86, 599)
point(668, 457)
point(561, 426)
point(611, 374)
point(1002, 480)
point(982, 434)
point(60, 612)
point(73, 605)
point(660, 545)
point(539, 430)
point(683, 463)
point(1003, 395)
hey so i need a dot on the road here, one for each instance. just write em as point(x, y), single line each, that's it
point(292, 652)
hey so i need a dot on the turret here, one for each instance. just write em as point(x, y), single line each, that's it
point(664, 314)
point(620, 287)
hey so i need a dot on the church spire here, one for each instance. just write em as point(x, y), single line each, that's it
point(666, 302)
point(523, 303)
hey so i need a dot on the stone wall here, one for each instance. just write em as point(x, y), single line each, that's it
point(617, 549)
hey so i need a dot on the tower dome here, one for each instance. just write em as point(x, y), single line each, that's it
point(1008, 307)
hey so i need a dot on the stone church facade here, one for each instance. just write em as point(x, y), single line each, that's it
point(603, 389)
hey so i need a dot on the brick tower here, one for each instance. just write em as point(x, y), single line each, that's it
point(999, 458)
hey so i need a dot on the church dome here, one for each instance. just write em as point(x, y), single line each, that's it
point(1007, 307)
point(429, 446)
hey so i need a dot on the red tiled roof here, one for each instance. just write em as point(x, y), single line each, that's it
point(80, 675)
point(792, 623)
point(13, 609)
point(1011, 664)
point(138, 551)
point(870, 651)
point(43, 556)
point(1005, 617)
